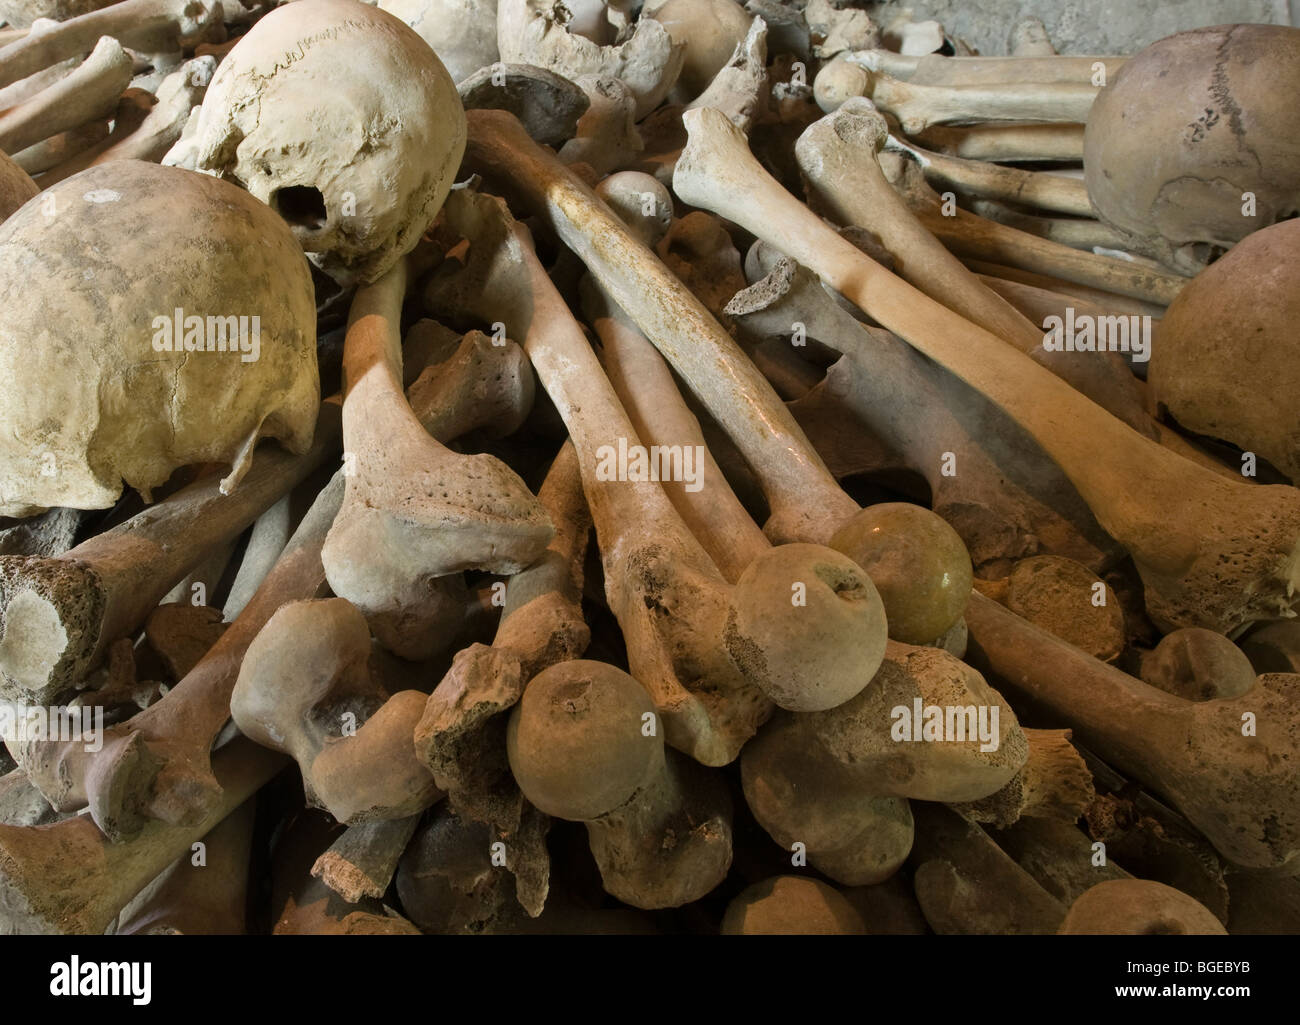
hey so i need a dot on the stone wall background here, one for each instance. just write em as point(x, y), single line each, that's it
point(1087, 26)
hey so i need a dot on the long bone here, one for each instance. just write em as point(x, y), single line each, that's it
point(1007, 143)
point(917, 106)
point(659, 825)
point(1006, 500)
point(652, 562)
point(413, 510)
point(460, 737)
point(811, 507)
point(69, 878)
point(61, 614)
point(306, 687)
point(156, 765)
point(837, 156)
point(649, 394)
point(1211, 552)
point(147, 26)
point(1236, 785)
point(89, 92)
point(206, 897)
point(58, 149)
point(981, 180)
point(1077, 233)
point(974, 237)
point(150, 140)
point(934, 69)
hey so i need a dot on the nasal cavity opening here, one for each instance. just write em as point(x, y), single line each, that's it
point(302, 206)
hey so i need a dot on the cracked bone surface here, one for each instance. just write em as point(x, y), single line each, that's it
point(1191, 127)
point(1239, 313)
point(88, 92)
point(713, 670)
point(306, 688)
point(60, 614)
point(1226, 555)
point(806, 504)
point(659, 824)
point(68, 877)
point(1053, 783)
point(357, 164)
point(648, 62)
point(413, 510)
point(145, 26)
point(1223, 764)
point(918, 107)
point(156, 764)
point(208, 325)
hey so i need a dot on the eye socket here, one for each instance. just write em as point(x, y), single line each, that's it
point(302, 206)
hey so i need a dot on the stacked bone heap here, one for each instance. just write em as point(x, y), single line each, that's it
point(497, 466)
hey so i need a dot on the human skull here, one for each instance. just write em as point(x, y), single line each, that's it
point(342, 119)
point(1196, 142)
point(92, 272)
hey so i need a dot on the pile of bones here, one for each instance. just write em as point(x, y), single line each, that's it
point(562, 466)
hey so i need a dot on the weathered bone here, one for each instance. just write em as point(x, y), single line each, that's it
point(974, 237)
point(837, 156)
point(306, 688)
point(1231, 557)
point(70, 878)
point(1139, 907)
point(200, 898)
point(939, 70)
point(147, 26)
point(90, 91)
point(674, 320)
point(648, 62)
point(548, 106)
point(659, 825)
point(791, 906)
point(362, 861)
point(179, 93)
point(1198, 665)
point(61, 614)
point(1236, 787)
point(982, 180)
point(414, 511)
point(1006, 500)
point(918, 106)
point(967, 886)
point(1053, 783)
point(1077, 233)
point(156, 765)
point(748, 646)
point(59, 148)
point(1007, 143)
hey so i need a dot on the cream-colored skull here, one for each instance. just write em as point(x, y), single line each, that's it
point(99, 387)
point(342, 119)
